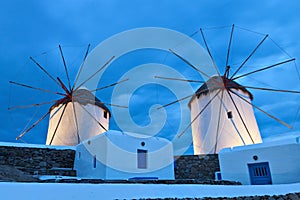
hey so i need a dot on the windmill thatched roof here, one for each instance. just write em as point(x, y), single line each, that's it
point(216, 83)
point(84, 97)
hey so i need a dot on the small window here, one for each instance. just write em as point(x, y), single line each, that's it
point(94, 161)
point(229, 115)
point(142, 158)
point(79, 155)
point(105, 114)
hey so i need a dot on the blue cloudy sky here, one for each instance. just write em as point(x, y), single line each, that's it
point(36, 28)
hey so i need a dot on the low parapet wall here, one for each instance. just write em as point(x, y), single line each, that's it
point(38, 159)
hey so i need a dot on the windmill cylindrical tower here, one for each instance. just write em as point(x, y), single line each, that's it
point(225, 116)
point(76, 119)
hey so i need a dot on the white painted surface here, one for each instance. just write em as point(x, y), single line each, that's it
point(54, 191)
point(88, 126)
point(11, 144)
point(116, 157)
point(207, 137)
point(282, 156)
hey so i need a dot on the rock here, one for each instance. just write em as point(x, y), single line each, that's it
point(43, 164)
point(9, 173)
point(293, 197)
point(272, 198)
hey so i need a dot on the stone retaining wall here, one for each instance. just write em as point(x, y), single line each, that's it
point(200, 167)
point(42, 159)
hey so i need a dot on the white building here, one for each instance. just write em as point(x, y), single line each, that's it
point(77, 119)
point(217, 123)
point(116, 155)
point(267, 163)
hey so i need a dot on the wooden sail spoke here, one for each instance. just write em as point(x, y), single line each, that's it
point(189, 64)
point(65, 66)
point(272, 90)
point(181, 99)
point(178, 79)
point(36, 88)
point(251, 54)
point(57, 110)
point(208, 50)
point(240, 116)
point(110, 85)
point(58, 123)
point(32, 105)
point(33, 125)
point(81, 66)
point(114, 105)
point(228, 49)
point(94, 74)
point(265, 68)
point(263, 111)
point(171, 103)
point(219, 119)
point(62, 85)
point(44, 70)
point(76, 122)
point(93, 117)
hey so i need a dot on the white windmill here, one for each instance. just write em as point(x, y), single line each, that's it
point(77, 115)
point(233, 122)
point(221, 109)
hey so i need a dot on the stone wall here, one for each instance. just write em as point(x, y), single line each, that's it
point(290, 196)
point(200, 167)
point(39, 160)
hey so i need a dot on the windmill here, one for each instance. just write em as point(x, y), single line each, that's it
point(222, 109)
point(77, 114)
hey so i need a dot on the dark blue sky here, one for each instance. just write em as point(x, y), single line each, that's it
point(31, 27)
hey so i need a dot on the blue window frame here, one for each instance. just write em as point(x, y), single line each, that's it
point(260, 173)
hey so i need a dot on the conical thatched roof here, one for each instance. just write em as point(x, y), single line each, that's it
point(217, 83)
point(84, 97)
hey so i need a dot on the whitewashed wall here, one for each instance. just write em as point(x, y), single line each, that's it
point(283, 158)
point(116, 157)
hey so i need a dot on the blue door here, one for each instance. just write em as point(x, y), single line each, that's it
point(260, 173)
